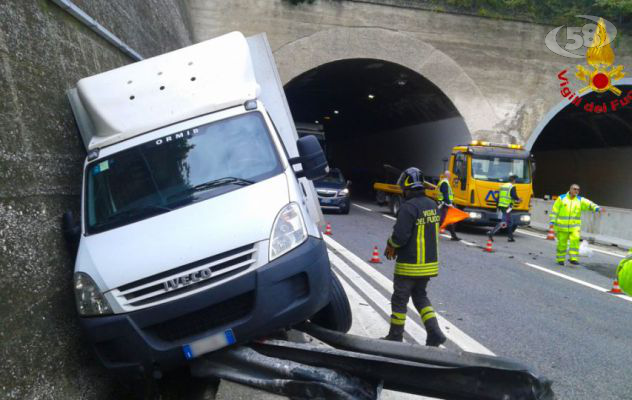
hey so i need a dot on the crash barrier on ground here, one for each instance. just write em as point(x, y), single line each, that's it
point(612, 227)
point(358, 368)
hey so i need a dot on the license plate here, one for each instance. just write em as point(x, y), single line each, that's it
point(208, 344)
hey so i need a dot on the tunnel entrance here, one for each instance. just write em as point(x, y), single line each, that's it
point(375, 112)
point(590, 149)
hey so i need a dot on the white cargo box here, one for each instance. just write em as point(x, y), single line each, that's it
point(149, 94)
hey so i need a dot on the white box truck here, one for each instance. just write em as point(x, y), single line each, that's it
point(196, 231)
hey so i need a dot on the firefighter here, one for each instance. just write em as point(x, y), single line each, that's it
point(446, 198)
point(415, 244)
point(624, 273)
point(507, 197)
point(566, 220)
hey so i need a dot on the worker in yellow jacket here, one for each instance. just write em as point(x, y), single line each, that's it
point(566, 219)
point(624, 273)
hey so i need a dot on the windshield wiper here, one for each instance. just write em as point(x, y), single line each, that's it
point(229, 180)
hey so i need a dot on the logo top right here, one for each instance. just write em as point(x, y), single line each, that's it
point(601, 75)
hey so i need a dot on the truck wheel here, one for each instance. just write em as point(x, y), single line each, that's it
point(396, 203)
point(380, 198)
point(337, 314)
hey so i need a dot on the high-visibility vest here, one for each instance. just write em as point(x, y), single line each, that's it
point(567, 213)
point(504, 196)
point(624, 273)
point(450, 194)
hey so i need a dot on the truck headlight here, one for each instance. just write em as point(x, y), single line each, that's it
point(288, 231)
point(344, 192)
point(525, 218)
point(90, 301)
point(475, 215)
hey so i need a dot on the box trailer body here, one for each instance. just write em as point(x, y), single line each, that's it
point(196, 230)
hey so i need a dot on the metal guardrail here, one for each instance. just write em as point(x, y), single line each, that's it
point(358, 367)
point(88, 21)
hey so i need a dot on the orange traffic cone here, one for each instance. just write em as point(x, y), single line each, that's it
point(375, 258)
point(442, 231)
point(551, 234)
point(328, 230)
point(488, 248)
point(615, 287)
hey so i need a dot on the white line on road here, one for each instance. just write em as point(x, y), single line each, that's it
point(456, 335)
point(593, 248)
point(413, 329)
point(578, 281)
point(361, 207)
point(389, 217)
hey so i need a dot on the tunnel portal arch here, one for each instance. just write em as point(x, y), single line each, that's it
point(594, 150)
point(327, 46)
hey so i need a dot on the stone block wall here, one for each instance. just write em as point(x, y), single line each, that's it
point(43, 52)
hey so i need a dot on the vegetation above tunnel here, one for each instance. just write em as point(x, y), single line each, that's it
point(554, 12)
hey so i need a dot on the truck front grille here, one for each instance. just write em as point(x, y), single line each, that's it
point(203, 320)
point(186, 279)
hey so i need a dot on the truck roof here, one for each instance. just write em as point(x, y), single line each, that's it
point(159, 91)
point(493, 151)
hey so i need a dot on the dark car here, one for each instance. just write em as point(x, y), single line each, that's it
point(333, 192)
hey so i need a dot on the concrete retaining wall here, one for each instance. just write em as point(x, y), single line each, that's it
point(43, 52)
point(614, 227)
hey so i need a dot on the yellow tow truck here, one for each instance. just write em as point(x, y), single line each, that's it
point(478, 171)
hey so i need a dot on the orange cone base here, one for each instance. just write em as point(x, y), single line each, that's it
point(328, 230)
point(615, 288)
point(375, 258)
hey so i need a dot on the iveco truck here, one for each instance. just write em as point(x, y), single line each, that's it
point(199, 224)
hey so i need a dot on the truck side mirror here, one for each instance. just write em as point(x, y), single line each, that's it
point(311, 157)
point(71, 231)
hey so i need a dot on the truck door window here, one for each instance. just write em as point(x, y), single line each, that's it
point(177, 170)
point(460, 169)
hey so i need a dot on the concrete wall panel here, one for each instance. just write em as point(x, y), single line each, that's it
point(43, 52)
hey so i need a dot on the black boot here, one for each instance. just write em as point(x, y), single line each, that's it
point(395, 334)
point(435, 337)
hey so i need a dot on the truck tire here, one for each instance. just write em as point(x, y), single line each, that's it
point(337, 314)
point(380, 198)
point(395, 203)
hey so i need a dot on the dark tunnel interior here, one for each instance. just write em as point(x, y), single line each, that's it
point(375, 112)
point(588, 148)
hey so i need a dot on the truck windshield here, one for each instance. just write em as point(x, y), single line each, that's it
point(499, 169)
point(177, 170)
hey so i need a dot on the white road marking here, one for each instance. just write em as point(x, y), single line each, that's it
point(389, 217)
point(412, 327)
point(465, 242)
point(361, 207)
point(456, 335)
point(578, 281)
point(593, 248)
point(531, 234)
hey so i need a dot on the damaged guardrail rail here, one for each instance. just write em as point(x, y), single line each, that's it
point(358, 368)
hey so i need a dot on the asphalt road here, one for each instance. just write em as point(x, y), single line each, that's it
point(518, 303)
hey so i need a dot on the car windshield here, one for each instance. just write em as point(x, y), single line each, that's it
point(499, 169)
point(177, 170)
point(334, 176)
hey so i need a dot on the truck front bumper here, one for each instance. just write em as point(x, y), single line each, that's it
point(486, 217)
point(279, 294)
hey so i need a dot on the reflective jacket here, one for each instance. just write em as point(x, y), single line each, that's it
point(504, 196)
point(624, 273)
point(567, 213)
point(416, 238)
point(445, 190)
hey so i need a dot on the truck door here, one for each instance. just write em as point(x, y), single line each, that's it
point(459, 179)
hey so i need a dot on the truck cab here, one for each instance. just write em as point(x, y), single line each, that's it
point(478, 172)
point(196, 231)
